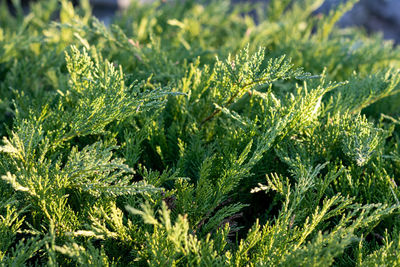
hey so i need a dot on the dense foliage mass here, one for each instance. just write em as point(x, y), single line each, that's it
point(188, 134)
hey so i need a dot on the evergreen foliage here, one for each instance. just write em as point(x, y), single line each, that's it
point(195, 134)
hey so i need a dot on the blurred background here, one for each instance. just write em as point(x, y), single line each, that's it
point(373, 15)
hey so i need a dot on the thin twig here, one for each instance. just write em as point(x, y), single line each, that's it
point(216, 111)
